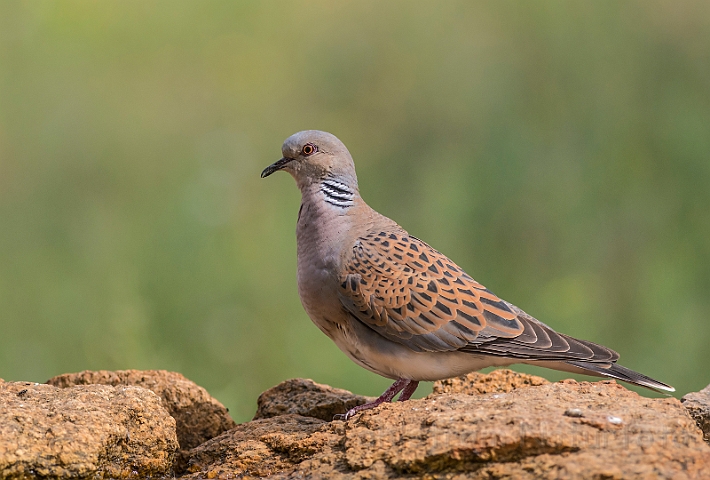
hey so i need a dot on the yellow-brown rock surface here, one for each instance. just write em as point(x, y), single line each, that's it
point(698, 405)
point(533, 430)
point(198, 416)
point(307, 398)
point(481, 426)
point(89, 431)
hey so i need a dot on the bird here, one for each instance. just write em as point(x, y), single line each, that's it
point(396, 306)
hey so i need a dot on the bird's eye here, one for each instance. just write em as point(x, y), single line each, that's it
point(309, 149)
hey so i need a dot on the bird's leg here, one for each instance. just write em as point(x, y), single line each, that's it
point(408, 390)
point(389, 394)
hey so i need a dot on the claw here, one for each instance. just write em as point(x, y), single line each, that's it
point(409, 386)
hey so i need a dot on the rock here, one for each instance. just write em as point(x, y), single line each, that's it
point(83, 431)
point(197, 415)
point(559, 430)
point(306, 398)
point(498, 381)
point(500, 425)
point(698, 405)
point(267, 447)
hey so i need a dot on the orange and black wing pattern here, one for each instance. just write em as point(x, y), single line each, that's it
point(410, 293)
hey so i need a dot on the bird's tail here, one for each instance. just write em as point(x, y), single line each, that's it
point(605, 369)
point(618, 372)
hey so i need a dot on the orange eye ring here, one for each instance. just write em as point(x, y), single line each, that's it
point(309, 149)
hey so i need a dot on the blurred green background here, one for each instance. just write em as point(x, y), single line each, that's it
point(558, 151)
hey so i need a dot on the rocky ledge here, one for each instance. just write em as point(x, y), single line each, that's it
point(137, 424)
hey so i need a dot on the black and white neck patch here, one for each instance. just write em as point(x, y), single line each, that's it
point(337, 193)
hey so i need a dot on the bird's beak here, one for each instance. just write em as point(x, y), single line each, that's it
point(275, 167)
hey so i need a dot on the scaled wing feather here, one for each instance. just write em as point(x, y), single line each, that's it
point(410, 293)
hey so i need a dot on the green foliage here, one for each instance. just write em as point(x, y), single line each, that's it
point(560, 152)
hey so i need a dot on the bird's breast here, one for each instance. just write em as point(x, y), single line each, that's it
point(321, 238)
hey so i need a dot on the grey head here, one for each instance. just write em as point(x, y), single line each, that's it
point(313, 157)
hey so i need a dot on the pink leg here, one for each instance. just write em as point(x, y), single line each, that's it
point(389, 394)
point(408, 390)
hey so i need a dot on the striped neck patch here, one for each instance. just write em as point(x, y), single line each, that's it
point(337, 193)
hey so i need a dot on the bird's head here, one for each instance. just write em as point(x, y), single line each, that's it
point(312, 156)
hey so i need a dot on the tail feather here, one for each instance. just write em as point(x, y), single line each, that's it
point(618, 372)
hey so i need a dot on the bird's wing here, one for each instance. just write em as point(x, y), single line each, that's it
point(408, 292)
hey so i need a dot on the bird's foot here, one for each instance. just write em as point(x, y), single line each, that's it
point(407, 387)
